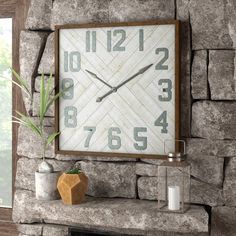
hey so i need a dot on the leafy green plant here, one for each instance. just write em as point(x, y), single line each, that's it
point(75, 170)
point(46, 100)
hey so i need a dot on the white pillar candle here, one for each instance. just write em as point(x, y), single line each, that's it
point(174, 198)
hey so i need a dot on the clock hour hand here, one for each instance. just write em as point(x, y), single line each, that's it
point(96, 77)
point(114, 89)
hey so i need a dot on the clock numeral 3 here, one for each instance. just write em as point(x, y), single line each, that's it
point(167, 90)
point(160, 65)
point(162, 121)
point(114, 138)
point(66, 83)
point(70, 113)
point(91, 130)
point(72, 61)
point(142, 145)
point(118, 45)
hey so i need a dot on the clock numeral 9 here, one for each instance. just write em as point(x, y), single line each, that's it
point(70, 113)
point(65, 84)
point(160, 65)
point(167, 90)
point(162, 121)
point(72, 61)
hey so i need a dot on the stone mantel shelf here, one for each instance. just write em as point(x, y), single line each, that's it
point(126, 215)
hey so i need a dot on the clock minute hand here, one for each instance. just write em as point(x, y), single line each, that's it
point(96, 77)
point(141, 71)
point(114, 89)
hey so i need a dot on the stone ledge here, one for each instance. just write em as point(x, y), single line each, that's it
point(108, 214)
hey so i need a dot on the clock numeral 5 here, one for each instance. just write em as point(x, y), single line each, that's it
point(66, 83)
point(162, 121)
point(142, 141)
point(72, 61)
point(167, 90)
point(160, 65)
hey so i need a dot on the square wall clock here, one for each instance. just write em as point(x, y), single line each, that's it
point(122, 81)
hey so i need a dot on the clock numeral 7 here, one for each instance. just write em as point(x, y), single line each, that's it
point(162, 121)
point(91, 130)
point(72, 61)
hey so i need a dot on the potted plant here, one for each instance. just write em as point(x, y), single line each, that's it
point(72, 186)
point(45, 176)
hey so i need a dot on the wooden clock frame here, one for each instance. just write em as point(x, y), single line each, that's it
point(177, 86)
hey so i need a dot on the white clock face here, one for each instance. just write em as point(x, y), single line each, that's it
point(122, 94)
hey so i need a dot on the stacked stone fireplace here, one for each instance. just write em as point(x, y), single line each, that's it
point(122, 192)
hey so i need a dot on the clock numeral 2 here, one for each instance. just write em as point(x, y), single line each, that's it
point(72, 61)
point(70, 113)
point(65, 84)
point(160, 65)
point(162, 121)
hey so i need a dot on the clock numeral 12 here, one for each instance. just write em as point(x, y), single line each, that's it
point(72, 61)
point(118, 45)
point(162, 121)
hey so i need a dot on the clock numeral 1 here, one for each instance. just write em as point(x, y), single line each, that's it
point(72, 61)
point(65, 84)
point(142, 145)
point(91, 41)
point(162, 121)
point(70, 113)
point(118, 45)
point(141, 40)
point(167, 90)
point(91, 130)
point(160, 65)
point(112, 138)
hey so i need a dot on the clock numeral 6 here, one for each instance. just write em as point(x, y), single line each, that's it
point(162, 121)
point(114, 138)
point(167, 90)
point(67, 83)
point(72, 61)
point(70, 113)
point(160, 65)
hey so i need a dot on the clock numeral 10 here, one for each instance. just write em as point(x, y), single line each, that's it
point(72, 61)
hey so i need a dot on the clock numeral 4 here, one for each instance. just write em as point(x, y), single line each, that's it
point(160, 65)
point(162, 121)
point(72, 61)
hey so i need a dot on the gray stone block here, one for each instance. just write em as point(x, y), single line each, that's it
point(25, 177)
point(202, 193)
point(116, 215)
point(223, 221)
point(199, 75)
point(211, 24)
point(219, 148)
point(144, 169)
point(229, 189)
point(214, 120)
point(110, 179)
point(39, 15)
point(125, 10)
point(29, 145)
point(79, 12)
point(148, 188)
point(221, 74)
point(152, 161)
point(37, 83)
point(36, 106)
point(31, 47)
point(47, 63)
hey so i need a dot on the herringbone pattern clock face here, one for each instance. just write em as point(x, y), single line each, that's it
point(122, 89)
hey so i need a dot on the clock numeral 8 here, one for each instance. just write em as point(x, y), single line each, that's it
point(70, 113)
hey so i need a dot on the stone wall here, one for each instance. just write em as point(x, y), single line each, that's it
point(208, 103)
